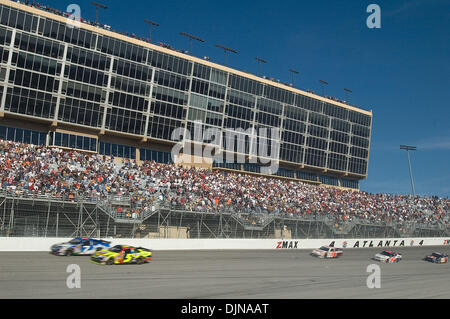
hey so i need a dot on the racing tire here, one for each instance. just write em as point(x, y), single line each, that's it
point(69, 252)
point(109, 262)
point(140, 261)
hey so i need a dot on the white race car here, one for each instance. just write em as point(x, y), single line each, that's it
point(79, 247)
point(388, 257)
point(327, 252)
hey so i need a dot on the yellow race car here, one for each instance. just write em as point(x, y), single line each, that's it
point(122, 254)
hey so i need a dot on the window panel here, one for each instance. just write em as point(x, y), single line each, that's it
point(315, 157)
point(269, 106)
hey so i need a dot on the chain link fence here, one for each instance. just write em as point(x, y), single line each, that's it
point(41, 216)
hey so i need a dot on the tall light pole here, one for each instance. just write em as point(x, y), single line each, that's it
point(259, 64)
point(191, 37)
point(225, 50)
point(293, 74)
point(150, 23)
point(407, 149)
point(98, 6)
point(323, 87)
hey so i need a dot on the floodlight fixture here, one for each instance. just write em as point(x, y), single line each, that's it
point(225, 50)
point(150, 24)
point(259, 64)
point(98, 6)
point(191, 37)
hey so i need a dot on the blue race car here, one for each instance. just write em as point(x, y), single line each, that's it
point(79, 247)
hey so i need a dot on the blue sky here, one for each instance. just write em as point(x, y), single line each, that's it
point(401, 71)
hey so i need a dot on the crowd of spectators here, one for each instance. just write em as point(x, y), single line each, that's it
point(29, 170)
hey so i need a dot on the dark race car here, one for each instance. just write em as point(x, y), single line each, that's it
point(437, 258)
point(79, 247)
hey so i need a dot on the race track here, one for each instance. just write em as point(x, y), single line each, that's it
point(226, 275)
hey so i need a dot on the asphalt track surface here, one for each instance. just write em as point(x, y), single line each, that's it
point(286, 274)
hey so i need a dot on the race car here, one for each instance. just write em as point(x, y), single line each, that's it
point(437, 258)
point(388, 257)
point(327, 252)
point(79, 247)
point(122, 254)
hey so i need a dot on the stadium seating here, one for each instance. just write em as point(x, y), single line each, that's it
point(29, 170)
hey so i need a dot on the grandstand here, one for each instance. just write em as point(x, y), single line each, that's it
point(86, 117)
point(54, 192)
point(99, 91)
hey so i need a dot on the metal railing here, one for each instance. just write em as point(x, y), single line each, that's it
point(43, 214)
